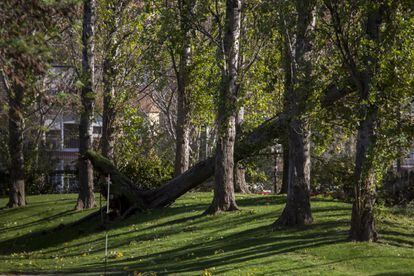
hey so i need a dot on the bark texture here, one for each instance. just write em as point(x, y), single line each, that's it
point(240, 184)
point(362, 220)
point(298, 85)
point(108, 118)
point(86, 197)
point(224, 199)
point(182, 147)
point(17, 195)
point(297, 210)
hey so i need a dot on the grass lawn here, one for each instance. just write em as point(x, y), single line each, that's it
point(178, 240)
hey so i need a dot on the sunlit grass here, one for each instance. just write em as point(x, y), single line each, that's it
point(179, 240)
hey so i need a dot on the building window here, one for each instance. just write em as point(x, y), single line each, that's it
point(71, 132)
point(53, 139)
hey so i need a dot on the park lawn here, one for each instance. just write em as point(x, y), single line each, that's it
point(179, 240)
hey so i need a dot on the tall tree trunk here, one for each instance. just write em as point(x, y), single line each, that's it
point(17, 195)
point(109, 77)
point(108, 118)
point(240, 184)
point(86, 197)
point(362, 220)
point(297, 210)
point(182, 146)
point(224, 199)
point(298, 79)
point(204, 146)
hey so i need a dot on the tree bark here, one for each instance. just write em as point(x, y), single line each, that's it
point(86, 197)
point(17, 195)
point(109, 78)
point(224, 199)
point(204, 146)
point(298, 85)
point(362, 220)
point(182, 147)
point(108, 116)
point(297, 210)
point(240, 184)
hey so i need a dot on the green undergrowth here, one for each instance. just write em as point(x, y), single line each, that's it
point(179, 240)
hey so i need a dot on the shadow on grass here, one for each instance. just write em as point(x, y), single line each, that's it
point(37, 222)
point(55, 236)
point(232, 249)
point(235, 248)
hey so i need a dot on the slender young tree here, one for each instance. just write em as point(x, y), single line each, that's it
point(240, 184)
point(17, 195)
point(86, 197)
point(224, 199)
point(110, 49)
point(298, 85)
point(117, 39)
point(182, 129)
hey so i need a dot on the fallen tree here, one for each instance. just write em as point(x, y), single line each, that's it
point(127, 196)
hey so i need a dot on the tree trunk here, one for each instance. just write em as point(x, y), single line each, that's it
point(86, 197)
point(362, 220)
point(204, 136)
point(298, 80)
point(17, 195)
point(108, 118)
point(224, 199)
point(297, 210)
point(182, 147)
point(240, 184)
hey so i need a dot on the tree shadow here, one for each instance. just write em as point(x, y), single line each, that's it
point(233, 249)
point(37, 222)
point(60, 234)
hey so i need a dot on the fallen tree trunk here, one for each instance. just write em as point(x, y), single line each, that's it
point(127, 195)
